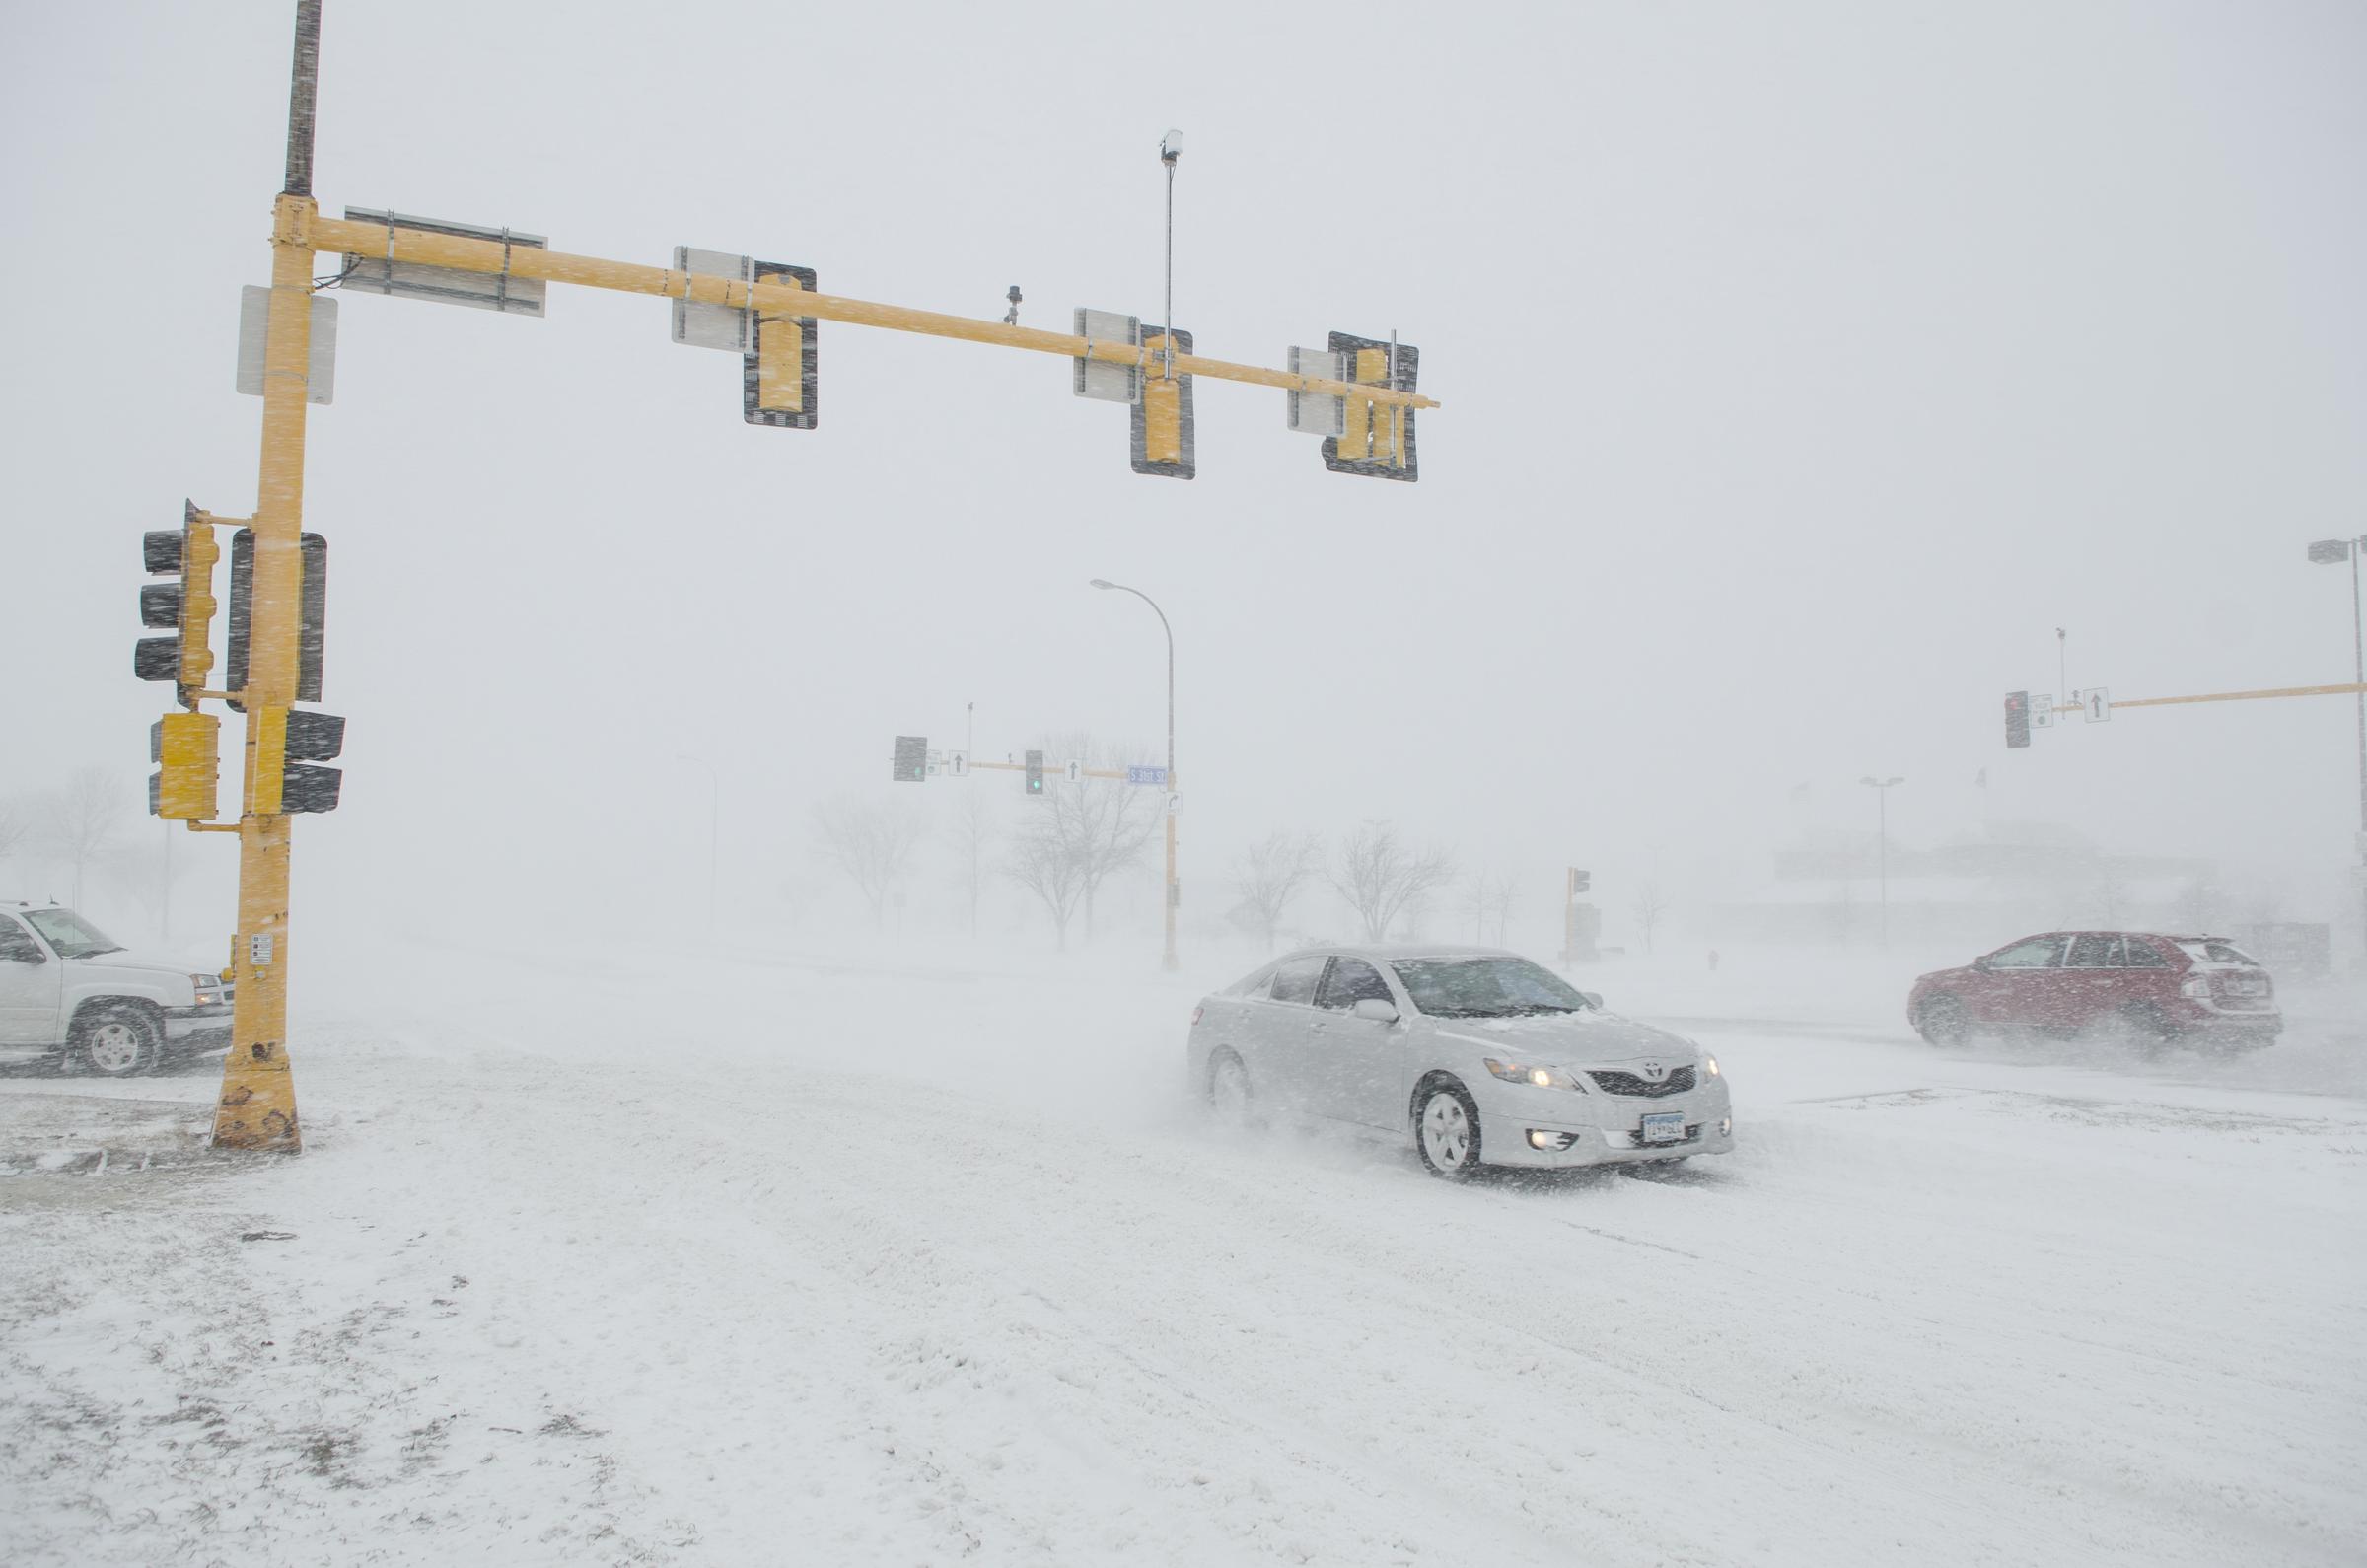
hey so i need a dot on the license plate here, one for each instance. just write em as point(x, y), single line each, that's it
point(1667, 1126)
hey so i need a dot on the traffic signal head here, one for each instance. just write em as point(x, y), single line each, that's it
point(1162, 435)
point(781, 381)
point(1376, 440)
point(1035, 773)
point(912, 759)
point(311, 626)
point(187, 747)
point(287, 741)
point(1581, 882)
point(2017, 719)
point(184, 608)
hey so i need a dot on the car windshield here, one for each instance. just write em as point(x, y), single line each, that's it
point(70, 934)
point(1486, 987)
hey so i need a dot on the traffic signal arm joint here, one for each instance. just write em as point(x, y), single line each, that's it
point(342, 237)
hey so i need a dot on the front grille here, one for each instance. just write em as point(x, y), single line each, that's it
point(1680, 1080)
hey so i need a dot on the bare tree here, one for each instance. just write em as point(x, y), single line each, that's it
point(1044, 860)
point(15, 825)
point(871, 840)
point(1485, 898)
point(83, 818)
point(1379, 875)
point(1269, 874)
point(1649, 908)
point(1102, 825)
point(971, 832)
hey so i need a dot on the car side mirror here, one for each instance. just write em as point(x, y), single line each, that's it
point(1981, 963)
point(1378, 1011)
point(1592, 999)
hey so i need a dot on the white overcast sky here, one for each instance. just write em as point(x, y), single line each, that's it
point(1804, 366)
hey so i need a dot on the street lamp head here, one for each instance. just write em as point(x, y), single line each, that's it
point(2329, 552)
point(1170, 148)
point(1099, 583)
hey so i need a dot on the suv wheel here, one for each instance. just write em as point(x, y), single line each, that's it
point(1942, 1021)
point(116, 1041)
point(2145, 1027)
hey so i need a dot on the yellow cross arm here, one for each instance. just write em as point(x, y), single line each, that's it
point(338, 236)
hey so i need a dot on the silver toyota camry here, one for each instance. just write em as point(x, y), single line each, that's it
point(1480, 1057)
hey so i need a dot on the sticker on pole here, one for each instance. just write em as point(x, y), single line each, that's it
point(259, 948)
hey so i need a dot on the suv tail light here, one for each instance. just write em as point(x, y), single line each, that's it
point(1195, 1016)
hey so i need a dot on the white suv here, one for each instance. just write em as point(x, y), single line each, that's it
point(72, 995)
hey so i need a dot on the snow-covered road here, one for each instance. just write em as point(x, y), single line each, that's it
point(860, 1262)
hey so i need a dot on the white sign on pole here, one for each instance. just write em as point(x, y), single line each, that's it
point(1099, 378)
point(1174, 804)
point(2098, 700)
point(416, 280)
point(254, 328)
point(957, 764)
point(2042, 710)
point(1073, 771)
point(1317, 413)
point(723, 327)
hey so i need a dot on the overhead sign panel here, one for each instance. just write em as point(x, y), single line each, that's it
point(255, 331)
point(1154, 776)
point(1101, 379)
point(703, 325)
point(484, 291)
point(1317, 413)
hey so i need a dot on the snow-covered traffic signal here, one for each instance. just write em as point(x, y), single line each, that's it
point(184, 608)
point(912, 759)
point(1035, 773)
point(289, 740)
point(1375, 440)
point(2017, 720)
point(311, 626)
point(1160, 433)
point(186, 748)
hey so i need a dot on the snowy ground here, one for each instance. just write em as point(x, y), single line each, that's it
point(739, 1258)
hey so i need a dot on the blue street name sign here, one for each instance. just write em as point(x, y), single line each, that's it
point(1156, 776)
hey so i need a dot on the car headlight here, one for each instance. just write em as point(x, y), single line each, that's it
point(1533, 1076)
point(1709, 1065)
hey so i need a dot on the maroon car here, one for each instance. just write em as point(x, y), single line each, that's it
point(2156, 988)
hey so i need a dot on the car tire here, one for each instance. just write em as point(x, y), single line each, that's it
point(1942, 1021)
point(1231, 1100)
point(116, 1041)
point(1446, 1129)
point(2146, 1028)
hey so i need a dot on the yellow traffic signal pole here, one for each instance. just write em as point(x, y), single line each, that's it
point(2343, 688)
point(258, 1108)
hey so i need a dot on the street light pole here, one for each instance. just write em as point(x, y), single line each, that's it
point(2325, 552)
point(1169, 961)
point(1881, 843)
point(714, 817)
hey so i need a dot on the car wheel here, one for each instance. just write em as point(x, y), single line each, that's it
point(1943, 1022)
point(116, 1041)
point(1229, 1100)
point(1446, 1129)
point(2145, 1027)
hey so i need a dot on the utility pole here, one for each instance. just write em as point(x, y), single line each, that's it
point(2324, 552)
point(1881, 843)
